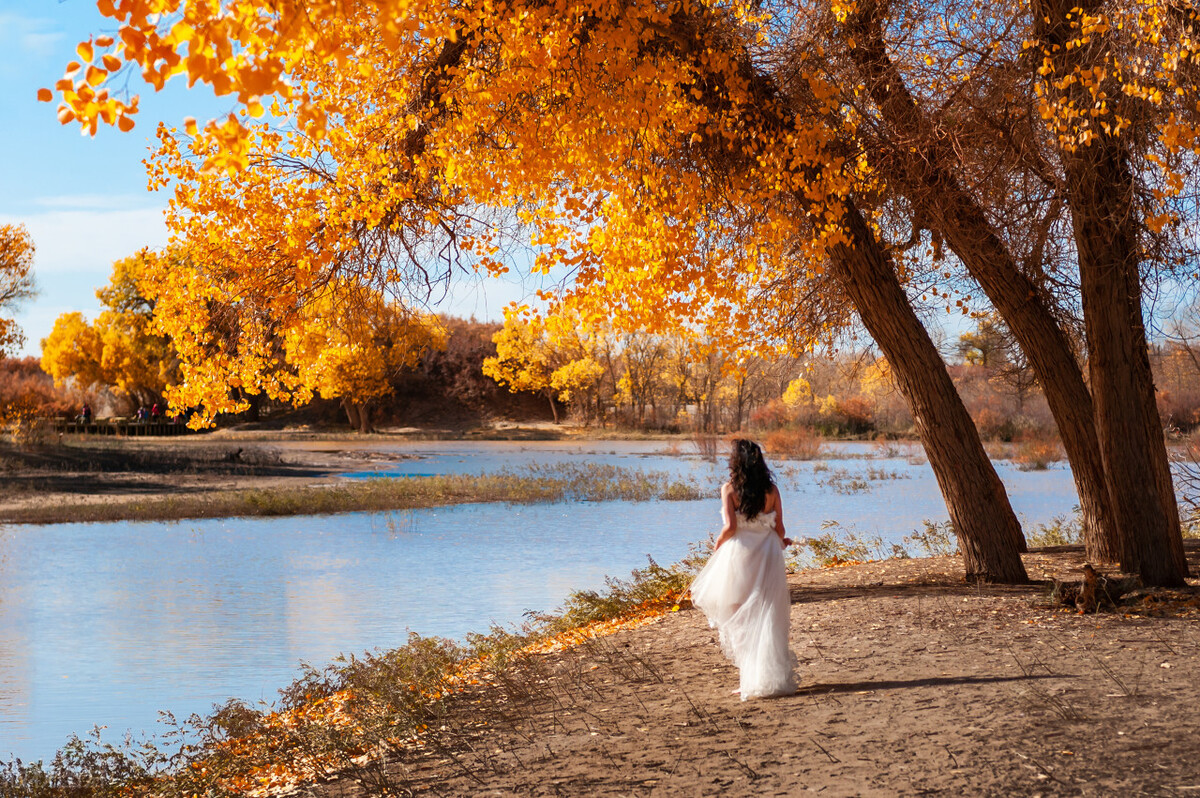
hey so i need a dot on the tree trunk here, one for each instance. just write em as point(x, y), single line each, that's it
point(926, 176)
point(254, 411)
point(359, 415)
point(553, 407)
point(351, 412)
point(1131, 436)
point(988, 532)
point(1100, 187)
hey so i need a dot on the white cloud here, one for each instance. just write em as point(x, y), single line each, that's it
point(75, 253)
point(32, 35)
point(41, 43)
point(90, 202)
point(88, 241)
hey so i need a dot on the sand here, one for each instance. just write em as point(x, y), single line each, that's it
point(912, 683)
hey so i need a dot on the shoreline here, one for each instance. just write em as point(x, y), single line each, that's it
point(250, 473)
point(911, 682)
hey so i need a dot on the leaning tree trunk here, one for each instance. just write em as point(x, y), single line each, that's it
point(1100, 189)
point(988, 532)
point(1131, 438)
point(923, 170)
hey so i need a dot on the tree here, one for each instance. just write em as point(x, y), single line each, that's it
point(639, 383)
point(122, 349)
point(681, 182)
point(351, 344)
point(558, 354)
point(523, 357)
point(16, 281)
point(1023, 136)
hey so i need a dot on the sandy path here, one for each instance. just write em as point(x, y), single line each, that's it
point(911, 685)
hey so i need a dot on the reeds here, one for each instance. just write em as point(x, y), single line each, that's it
point(532, 484)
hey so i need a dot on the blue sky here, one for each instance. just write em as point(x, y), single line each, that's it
point(84, 199)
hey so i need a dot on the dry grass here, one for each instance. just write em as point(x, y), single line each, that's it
point(578, 482)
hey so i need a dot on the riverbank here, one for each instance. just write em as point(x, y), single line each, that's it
point(912, 683)
point(169, 480)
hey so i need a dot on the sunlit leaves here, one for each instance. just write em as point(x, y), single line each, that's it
point(16, 280)
point(122, 349)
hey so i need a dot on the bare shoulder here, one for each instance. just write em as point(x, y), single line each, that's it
point(772, 502)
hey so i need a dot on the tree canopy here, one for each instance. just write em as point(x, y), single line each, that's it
point(737, 169)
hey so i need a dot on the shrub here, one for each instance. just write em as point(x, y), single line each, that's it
point(773, 415)
point(1061, 531)
point(994, 425)
point(857, 415)
point(795, 443)
point(1036, 454)
point(707, 445)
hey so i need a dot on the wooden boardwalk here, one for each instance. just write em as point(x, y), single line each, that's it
point(122, 428)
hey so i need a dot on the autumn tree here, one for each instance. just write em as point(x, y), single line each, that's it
point(1013, 137)
point(681, 181)
point(16, 281)
point(638, 385)
point(351, 343)
point(556, 354)
point(523, 359)
point(122, 348)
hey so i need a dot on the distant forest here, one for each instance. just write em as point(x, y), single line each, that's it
point(653, 384)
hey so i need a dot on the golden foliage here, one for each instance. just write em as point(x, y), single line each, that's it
point(394, 153)
point(640, 147)
point(16, 280)
point(122, 348)
point(349, 342)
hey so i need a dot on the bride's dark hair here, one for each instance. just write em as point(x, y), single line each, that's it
point(749, 476)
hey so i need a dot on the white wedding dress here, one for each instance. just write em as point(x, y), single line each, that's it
point(743, 591)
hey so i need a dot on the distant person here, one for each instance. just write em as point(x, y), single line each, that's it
point(85, 415)
point(743, 588)
point(155, 412)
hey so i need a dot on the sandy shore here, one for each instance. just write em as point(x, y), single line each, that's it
point(912, 684)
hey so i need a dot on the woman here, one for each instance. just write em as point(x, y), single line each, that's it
point(743, 587)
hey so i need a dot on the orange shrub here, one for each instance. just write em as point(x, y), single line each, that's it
point(1036, 454)
point(773, 415)
point(857, 414)
point(795, 443)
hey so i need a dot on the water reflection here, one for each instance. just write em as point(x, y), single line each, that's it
point(110, 623)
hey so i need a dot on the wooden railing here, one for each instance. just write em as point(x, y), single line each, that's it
point(121, 428)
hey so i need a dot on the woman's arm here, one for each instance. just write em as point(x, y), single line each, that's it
point(779, 530)
point(728, 515)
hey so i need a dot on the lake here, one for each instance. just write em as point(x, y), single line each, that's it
point(109, 623)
